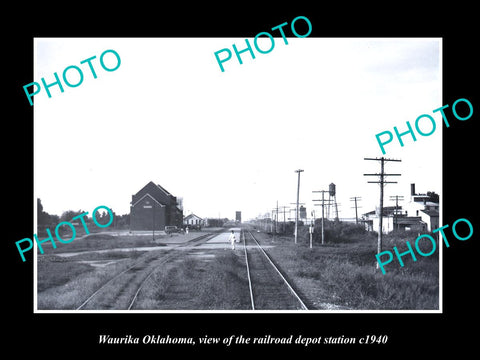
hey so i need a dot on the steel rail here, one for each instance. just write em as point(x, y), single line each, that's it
point(294, 293)
point(248, 272)
point(166, 258)
point(163, 262)
point(104, 285)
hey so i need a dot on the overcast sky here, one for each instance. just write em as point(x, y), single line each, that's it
point(227, 141)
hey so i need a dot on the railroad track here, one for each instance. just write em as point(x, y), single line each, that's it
point(122, 290)
point(269, 289)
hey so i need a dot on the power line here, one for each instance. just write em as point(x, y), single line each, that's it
point(298, 195)
point(284, 217)
point(275, 211)
point(355, 198)
point(381, 182)
point(323, 211)
point(395, 214)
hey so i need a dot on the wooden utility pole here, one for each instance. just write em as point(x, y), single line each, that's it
point(284, 218)
point(395, 214)
point(276, 220)
point(298, 196)
point(381, 182)
point(323, 211)
point(355, 198)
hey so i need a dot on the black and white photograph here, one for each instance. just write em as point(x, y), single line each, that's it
point(233, 190)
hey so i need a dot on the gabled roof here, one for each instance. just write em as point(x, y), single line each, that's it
point(192, 216)
point(150, 196)
point(163, 189)
point(157, 192)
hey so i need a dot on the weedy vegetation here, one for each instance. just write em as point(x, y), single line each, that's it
point(195, 283)
point(342, 272)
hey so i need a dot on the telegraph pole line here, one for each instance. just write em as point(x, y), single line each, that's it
point(290, 209)
point(323, 211)
point(272, 222)
point(284, 217)
point(298, 196)
point(381, 182)
point(395, 220)
point(275, 217)
point(294, 209)
point(276, 220)
point(355, 198)
point(337, 216)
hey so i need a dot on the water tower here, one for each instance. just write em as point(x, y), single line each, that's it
point(332, 197)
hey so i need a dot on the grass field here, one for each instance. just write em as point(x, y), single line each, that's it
point(102, 241)
point(342, 274)
point(63, 283)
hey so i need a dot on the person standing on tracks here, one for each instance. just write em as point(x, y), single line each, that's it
point(231, 238)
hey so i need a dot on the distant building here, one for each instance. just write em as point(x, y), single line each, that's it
point(422, 206)
point(393, 219)
point(303, 212)
point(153, 207)
point(238, 216)
point(419, 215)
point(193, 221)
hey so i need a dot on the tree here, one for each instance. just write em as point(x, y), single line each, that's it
point(44, 218)
point(69, 214)
point(122, 220)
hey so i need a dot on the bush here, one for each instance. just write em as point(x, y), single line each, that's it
point(339, 232)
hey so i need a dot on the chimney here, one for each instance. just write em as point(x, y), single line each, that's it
point(412, 189)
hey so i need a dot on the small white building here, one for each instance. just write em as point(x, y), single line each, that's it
point(392, 222)
point(393, 219)
point(193, 221)
point(420, 214)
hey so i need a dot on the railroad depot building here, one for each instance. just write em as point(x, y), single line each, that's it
point(153, 208)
